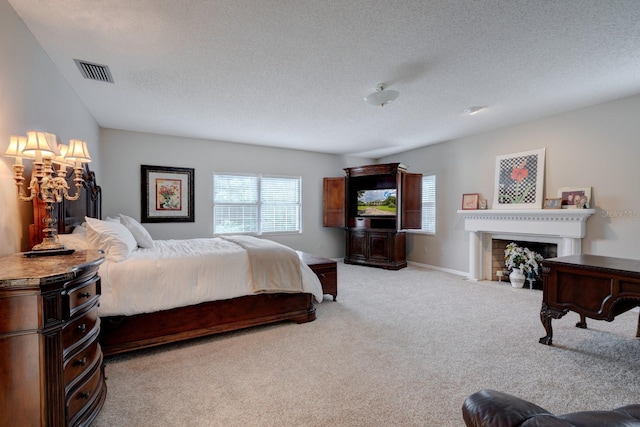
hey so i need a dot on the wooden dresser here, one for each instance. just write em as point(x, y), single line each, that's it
point(51, 370)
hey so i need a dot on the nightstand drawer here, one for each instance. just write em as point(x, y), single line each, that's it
point(76, 332)
point(329, 279)
point(85, 394)
point(82, 296)
point(80, 362)
point(325, 269)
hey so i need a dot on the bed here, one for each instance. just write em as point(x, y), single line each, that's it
point(158, 294)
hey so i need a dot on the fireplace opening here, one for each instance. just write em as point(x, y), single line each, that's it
point(546, 250)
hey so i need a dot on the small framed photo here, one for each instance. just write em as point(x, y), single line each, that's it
point(167, 194)
point(482, 204)
point(575, 197)
point(470, 201)
point(553, 203)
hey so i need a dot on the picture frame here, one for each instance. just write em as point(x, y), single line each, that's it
point(470, 201)
point(519, 180)
point(482, 204)
point(573, 196)
point(167, 194)
point(555, 203)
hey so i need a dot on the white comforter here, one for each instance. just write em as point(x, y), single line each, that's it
point(177, 273)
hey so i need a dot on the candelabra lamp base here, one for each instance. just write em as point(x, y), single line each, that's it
point(49, 243)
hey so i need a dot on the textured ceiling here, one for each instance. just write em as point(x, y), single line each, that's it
point(293, 74)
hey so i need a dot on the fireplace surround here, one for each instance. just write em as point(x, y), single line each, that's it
point(563, 227)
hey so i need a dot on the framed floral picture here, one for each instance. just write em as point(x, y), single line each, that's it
point(167, 194)
point(519, 180)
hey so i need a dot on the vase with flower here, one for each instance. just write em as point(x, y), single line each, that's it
point(522, 262)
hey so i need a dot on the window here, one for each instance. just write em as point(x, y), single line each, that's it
point(256, 204)
point(429, 203)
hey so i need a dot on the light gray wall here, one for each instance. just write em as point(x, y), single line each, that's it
point(33, 96)
point(596, 147)
point(123, 152)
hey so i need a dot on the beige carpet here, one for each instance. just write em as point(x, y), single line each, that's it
point(400, 348)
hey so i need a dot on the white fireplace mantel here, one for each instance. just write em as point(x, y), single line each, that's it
point(565, 227)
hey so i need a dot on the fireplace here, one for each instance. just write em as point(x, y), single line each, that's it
point(563, 228)
point(546, 250)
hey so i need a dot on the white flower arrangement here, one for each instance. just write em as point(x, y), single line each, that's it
point(524, 259)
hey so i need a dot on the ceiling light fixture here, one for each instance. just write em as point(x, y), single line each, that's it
point(381, 96)
point(475, 109)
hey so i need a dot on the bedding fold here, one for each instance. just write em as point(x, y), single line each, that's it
point(273, 267)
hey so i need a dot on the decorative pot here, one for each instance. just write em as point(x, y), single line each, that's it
point(517, 278)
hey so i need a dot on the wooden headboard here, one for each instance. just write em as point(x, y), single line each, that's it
point(70, 213)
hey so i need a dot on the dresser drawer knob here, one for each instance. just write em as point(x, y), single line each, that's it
point(81, 362)
point(85, 295)
point(82, 328)
point(85, 395)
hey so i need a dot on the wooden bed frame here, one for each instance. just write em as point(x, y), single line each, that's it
point(119, 334)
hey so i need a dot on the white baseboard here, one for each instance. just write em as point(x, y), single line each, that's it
point(434, 267)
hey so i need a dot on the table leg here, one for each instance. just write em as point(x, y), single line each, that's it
point(546, 314)
point(582, 323)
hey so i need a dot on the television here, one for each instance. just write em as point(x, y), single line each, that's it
point(377, 202)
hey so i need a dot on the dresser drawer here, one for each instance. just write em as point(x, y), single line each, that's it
point(83, 396)
point(77, 364)
point(83, 296)
point(76, 332)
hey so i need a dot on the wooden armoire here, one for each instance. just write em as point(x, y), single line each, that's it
point(375, 237)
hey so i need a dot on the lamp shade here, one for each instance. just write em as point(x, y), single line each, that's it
point(78, 152)
point(41, 145)
point(60, 159)
point(381, 96)
point(16, 145)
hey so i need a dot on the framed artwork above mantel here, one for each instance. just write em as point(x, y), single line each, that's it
point(167, 194)
point(519, 180)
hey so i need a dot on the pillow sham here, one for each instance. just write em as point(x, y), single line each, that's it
point(74, 241)
point(113, 238)
point(142, 236)
point(80, 229)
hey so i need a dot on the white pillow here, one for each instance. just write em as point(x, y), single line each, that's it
point(75, 241)
point(112, 237)
point(80, 229)
point(140, 233)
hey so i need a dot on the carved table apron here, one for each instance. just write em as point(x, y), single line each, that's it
point(593, 286)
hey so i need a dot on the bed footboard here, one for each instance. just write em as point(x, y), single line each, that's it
point(119, 334)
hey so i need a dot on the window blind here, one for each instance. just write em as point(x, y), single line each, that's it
point(429, 203)
point(256, 204)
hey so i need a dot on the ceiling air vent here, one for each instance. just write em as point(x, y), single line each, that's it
point(92, 71)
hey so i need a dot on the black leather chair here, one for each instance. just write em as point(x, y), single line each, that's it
point(490, 408)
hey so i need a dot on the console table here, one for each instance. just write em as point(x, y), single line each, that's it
point(593, 286)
